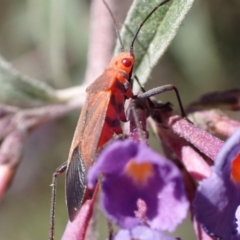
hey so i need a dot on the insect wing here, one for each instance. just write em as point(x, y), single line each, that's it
point(75, 184)
point(103, 83)
point(93, 129)
point(83, 150)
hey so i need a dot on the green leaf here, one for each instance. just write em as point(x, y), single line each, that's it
point(22, 91)
point(155, 35)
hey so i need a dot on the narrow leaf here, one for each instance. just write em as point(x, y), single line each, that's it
point(156, 34)
point(20, 90)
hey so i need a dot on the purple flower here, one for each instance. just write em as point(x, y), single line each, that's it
point(218, 196)
point(142, 233)
point(132, 174)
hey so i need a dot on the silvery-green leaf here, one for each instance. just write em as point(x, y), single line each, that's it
point(20, 90)
point(156, 34)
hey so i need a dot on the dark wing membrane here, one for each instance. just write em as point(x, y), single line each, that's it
point(75, 184)
point(94, 121)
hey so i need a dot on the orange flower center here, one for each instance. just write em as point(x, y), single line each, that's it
point(235, 174)
point(140, 172)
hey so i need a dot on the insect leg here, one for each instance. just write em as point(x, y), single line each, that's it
point(58, 171)
point(162, 89)
point(110, 229)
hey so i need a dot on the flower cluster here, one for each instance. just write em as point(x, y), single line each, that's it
point(146, 194)
point(141, 190)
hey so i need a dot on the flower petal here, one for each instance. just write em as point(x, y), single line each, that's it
point(142, 233)
point(110, 162)
point(218, 197)
point(173, 205)
point(139, 174)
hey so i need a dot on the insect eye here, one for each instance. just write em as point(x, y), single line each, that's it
point(127, 62)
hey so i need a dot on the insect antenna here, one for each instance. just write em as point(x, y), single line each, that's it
point(115, 24)
point(139, 28)
point(139, 83)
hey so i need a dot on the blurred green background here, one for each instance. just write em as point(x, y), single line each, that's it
point(48, 40)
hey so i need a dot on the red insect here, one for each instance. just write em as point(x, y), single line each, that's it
point(99, 121)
